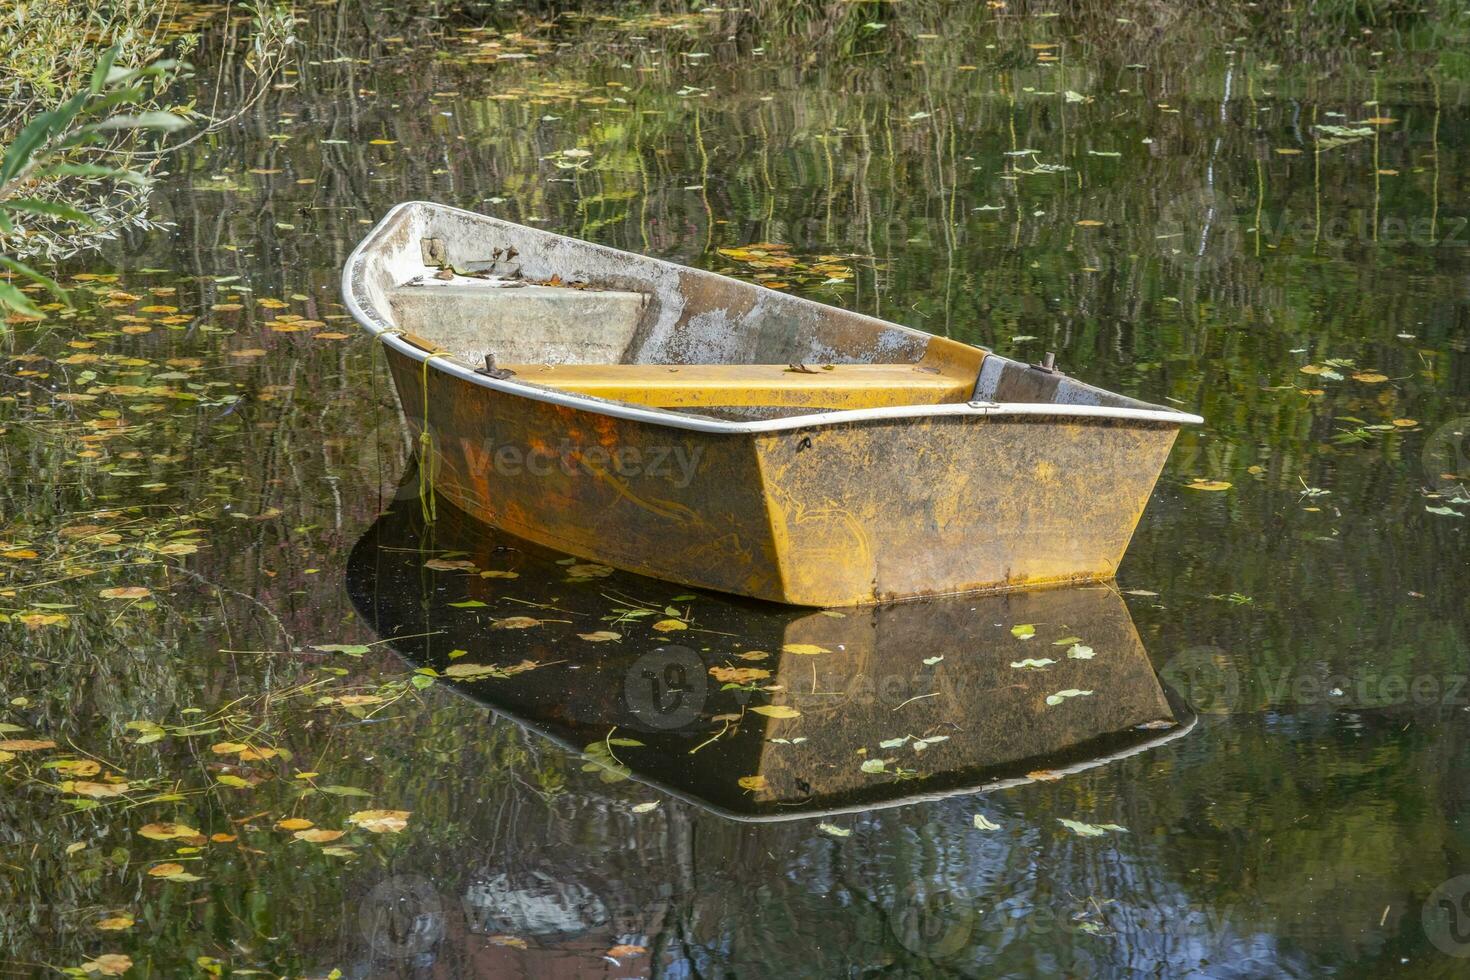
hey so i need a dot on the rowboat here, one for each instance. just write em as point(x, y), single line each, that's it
point(724, 435)
point(772, 712)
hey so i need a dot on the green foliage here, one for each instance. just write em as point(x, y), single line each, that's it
point(41, 165)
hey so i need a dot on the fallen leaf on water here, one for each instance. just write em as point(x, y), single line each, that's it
point(626, 949)
point(1090, 223)
point(983, 823)
point(445, 565)
point(1024, 631)
point(116, 923)
point(26, 745)
point(804, 649)
point(319, 835)
point(512, 941)
point(1090, 829)
point(1207, 485)
point(1370, 377)
point(294, 823)
point(109, 965)
point(753, 783)
point(165, 870)
point(516, 623)
point(34, 621)
point(646, 807)
point(1044, 775)
point(1060, 696)
point(670, 625)
point(834, 830)
point(776, 711)
point(78, 767)
point(95, 790)
point(228, 748)
point(166, 831)
point(1032, 663)
point(380, 821)
point(1405, 423)
point(1081, 652)
point(738, 675)
point(600, 636)
point(223, 838)
point(754, 655)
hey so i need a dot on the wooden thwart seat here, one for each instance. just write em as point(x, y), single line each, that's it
point(839, 386)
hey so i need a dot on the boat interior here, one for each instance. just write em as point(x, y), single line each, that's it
point(516, 303)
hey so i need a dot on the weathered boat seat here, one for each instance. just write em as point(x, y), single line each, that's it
point(837, 386)
point(520, 321)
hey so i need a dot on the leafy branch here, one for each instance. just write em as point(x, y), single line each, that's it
point(53, 149)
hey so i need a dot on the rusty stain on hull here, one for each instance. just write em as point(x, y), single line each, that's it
point(830, 516)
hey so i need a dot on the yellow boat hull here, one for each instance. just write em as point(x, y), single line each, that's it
point(831, 515)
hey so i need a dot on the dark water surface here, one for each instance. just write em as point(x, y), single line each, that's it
point(1269, 774)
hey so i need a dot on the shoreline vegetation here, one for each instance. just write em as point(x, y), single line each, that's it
point(85, 120)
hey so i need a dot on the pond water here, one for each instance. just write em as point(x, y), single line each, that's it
point(211, 527)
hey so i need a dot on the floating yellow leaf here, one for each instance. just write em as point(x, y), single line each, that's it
point(516, 623)
point(804, 649)
point(167, 831)
point(670, 625)
point(127, 592)
point(294, 823)
point(380, 821)
point(1207, 485)
point(754, 655)
point(600, 636)
point(35, 621)
point(20, 554)
point(116, 923)
point(95, 790)
point(446, 565)
point(1405, 423)
point(167, 870)
point(738, 675)
point(319, 836)
point(109, 965)
point(26, 745)
point(776, 711)
point(1090, 223)
point(223, 838)
point(752, 783)
point(1370, 377)
point(228, 748)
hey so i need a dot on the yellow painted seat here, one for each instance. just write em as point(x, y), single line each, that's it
point(837, 386)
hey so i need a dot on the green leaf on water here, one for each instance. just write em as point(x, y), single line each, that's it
point(1090, 829)
point(1060, 696)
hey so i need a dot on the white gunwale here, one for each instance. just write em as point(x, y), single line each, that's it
point(374, 323)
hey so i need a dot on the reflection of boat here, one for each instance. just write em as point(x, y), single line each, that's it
point(701, 692)
point(713, 432)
